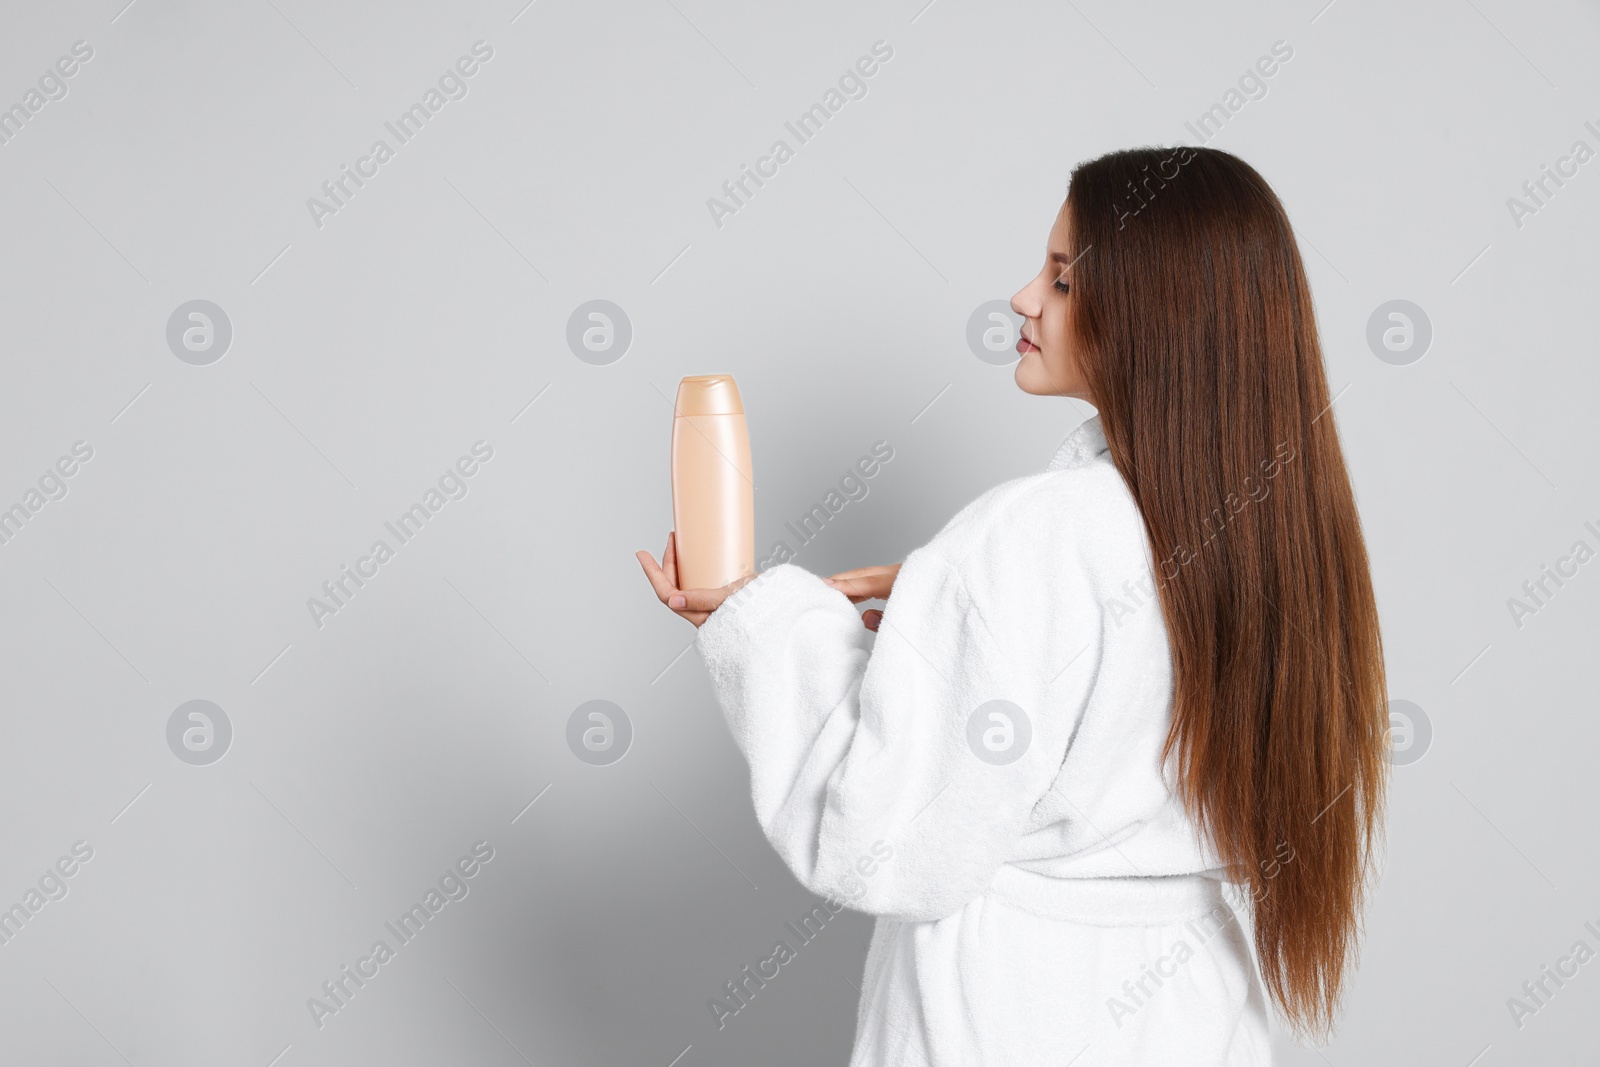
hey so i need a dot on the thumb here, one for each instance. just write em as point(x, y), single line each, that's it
point(697, 599)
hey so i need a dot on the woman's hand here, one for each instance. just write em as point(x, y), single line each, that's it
point(696, 605)
point(866, 583)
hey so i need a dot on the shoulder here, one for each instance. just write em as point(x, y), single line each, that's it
point(1078, 507)
point(1071, 526)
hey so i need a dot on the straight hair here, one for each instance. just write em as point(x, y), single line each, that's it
point(1198, 340)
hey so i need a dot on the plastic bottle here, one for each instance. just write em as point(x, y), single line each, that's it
point(713, 489)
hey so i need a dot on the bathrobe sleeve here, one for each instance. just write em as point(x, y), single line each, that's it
point(880, 770)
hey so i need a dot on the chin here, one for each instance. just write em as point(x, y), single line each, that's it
point(1025, 376)
point(1031, 379)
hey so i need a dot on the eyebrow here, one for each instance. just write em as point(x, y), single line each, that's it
point(1061, 257)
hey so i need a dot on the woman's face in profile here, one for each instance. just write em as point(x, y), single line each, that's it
point(1049, 364)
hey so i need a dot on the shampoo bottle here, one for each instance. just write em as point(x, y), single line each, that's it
point(713, 491)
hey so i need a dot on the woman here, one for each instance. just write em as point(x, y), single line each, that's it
point(1104, 690)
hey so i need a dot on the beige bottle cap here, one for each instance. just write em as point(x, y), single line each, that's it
point(708, 394)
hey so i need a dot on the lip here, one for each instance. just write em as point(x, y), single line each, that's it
point(1024, 346)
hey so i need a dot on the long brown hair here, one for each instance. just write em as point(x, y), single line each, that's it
point(1197, 337)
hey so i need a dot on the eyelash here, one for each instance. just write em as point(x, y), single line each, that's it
point(1061, 286)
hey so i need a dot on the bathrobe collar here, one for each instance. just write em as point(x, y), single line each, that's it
point(1083, 445)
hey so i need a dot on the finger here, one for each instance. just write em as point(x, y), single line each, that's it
point(867, 573)
point(658, 578)
point(696, 617)
point(669, 558)
point(707, 600)
point(692, 600)
point(859, 572)
point(851, 581)
point(866, 583)
point(669, 571)
point(862, 587)
point(871, 618)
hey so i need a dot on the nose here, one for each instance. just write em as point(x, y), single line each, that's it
point(1025, 304)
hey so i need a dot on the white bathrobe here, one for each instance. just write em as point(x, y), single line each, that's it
point(983, 776)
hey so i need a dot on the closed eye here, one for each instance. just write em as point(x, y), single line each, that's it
point(1061, 286)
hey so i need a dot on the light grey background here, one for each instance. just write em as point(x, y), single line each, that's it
point(368, 354)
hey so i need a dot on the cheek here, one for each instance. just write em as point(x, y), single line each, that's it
point(1054, 328)
point(1060, 355)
